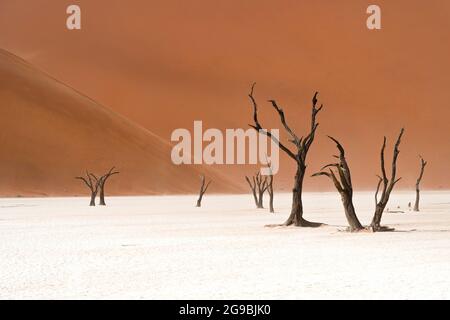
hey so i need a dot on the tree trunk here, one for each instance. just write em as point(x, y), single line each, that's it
point(203, 188)
point(271, 203)
point(93, 184)
point(377, 217)
point(350, 214)
point(102, 195)
point(416, 204)
point(296, 217)
point(92, 203)
point(422, 169)
point(260, 203)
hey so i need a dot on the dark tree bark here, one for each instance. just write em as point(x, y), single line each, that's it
point(270, 190)
point(203, 188)
point(93, 184)
point(387, 185)
point(103, 180)
point(423, 163)
point(343, 183)
point(258, 186)
point(302, 146)
point(380, 180)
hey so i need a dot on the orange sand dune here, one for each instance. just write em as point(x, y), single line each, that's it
point(52, 133)
point(164, 64)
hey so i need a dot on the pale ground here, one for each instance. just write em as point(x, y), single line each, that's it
point(164, 248)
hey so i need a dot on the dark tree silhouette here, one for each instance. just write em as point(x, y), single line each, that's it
point(203, 188)
point(270, 190)
point(93, 184)
point(386, 185)
point(258, 184)
point(343, 183)
point(423, 163)
point(302, 146)
point(103, 179)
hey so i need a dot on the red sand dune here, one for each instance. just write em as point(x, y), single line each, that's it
point(164, 64)
point(52, 133)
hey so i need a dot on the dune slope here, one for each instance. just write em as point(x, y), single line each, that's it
point(52, 133)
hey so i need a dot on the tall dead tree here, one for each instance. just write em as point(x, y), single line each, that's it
point(423, 163)
point(387, 185)
point(343, 183)
point(258, 184)
point(93, 184)
point(103, 179)
point(203, 187)
point(302, 146)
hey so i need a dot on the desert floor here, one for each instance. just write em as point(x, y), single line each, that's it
point(165, 248)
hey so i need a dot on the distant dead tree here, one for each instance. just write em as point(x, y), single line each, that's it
point(302, 146)
point(258, 184)
point(387, 185)
point(270, 190)
point(423, 163)
point(103, 180)
point(93, 184)
point(270, 185)
point(343, 182)
point(203, 188)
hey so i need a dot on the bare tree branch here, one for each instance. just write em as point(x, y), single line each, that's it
point(203, 188)
point(257, 126)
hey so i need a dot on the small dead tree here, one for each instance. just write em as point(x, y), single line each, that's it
point(93, 184)
point(258, 186)
point(103, 179)
point(343, 183)
point(387, 185)
point(270, 186)
point(423, 163)
point(302, 146)
point(270, 191)
point(203, 187)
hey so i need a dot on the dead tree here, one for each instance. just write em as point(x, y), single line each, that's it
point(103, 180)
point(302, 146)
point(343, 182)
point(270, 191)
point(423, 163)
point(387, 185)
point(93, 184)
point(270, 185)
point(203, 189)
point(258, 186)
